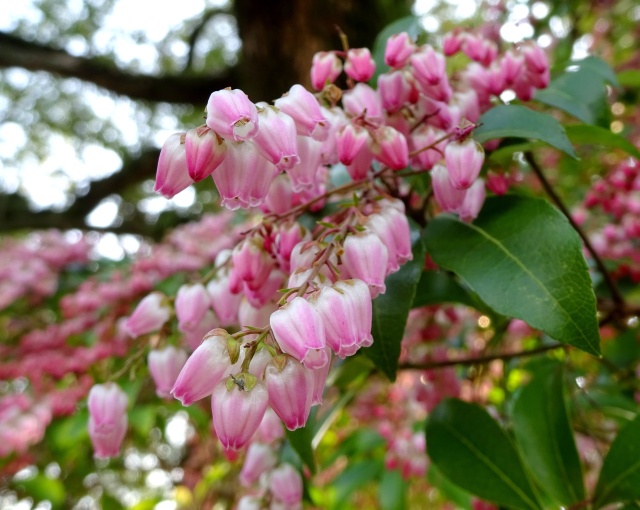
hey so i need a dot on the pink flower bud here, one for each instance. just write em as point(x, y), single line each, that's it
point(150, 315)
point(426, 136)
point(473, 201)
point(172, 175)
point(251, 262)
point(287, 237)
point(497, 183)
point(224, 303)
point(276, 140)
point(361, 164)
point(325, 68)
point(270, 428)
point(303, 175)
point(390, 148)
point(364, 101)
point(452, 43)
point(192, 302)
point(346, 312)
point(398, 50)
point(464, 161)
point(447, 197)
point(349, 141)
point(304, 109)
point(365, 257)
point(107, 419)
point(286, 484)
point(398, 225)
point(209, 363)
point(290, 385)
point(469, 104)
point(193, 337)
point(258, 297)
point(232, 115)
point(480, 49)
point(255, 317)
point(244, 176)
point(299, 331)
point(205, 150)
point(394, 89)
point(165, 366)
point(535, 58)
point(428, 66)
point(260, 458)
point(359, 64)
point(238, 406)
point(512, 67)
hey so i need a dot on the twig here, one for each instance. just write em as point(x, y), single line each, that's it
point(479, 359)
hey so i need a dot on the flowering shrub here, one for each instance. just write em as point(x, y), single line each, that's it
point(362, 249)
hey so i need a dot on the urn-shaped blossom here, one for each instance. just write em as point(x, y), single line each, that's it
point(365, 257)
point(398, 50)
point(232, 115)
point(286, 484)
point(390, 148)
point(150, 315)
point(299, 331)
point(172, 175)
point(290, 385)
point(276, 139)
point(165, 366)
point(260, 458)
point(192, 302)
point(238, 405)
point(473, 201)
point(359, 64)
point(464, 162)
point(205, 150)
point(303, 108)
point(349, 141)
point(107, 419)
point(447, 197)
point(325, 68)
point(209, 363)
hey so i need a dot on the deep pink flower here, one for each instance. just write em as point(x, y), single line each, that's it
point(359, 64)
point(325, 68)
point(205, 150)
point(172, 175)
point(107, 419)
point(398, 50)
point(464, 162)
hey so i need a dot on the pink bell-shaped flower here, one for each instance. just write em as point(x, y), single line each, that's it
point(428, 66)
point(349, 141)
point(299, 331)
point(150, 315)
point(244, 177)
point(276, 140)
point(365, 257)
point(270, 429)
point(205, 150)
point(260, 458)
point(362, 100)
point(464, 162)
point(192, 302)
point(390, 148)
point(165, 366)
point(251, 262)
point(398, 50)
point(209, 363)
point(255, 317)
point(224, 303)
point(303, 108)
point(172, 175)
point(426, 136)
point(290, 385)
point(286, 484)
point(394, 89)
point(325, 68)
point(452, 43)
point(238, 405)
point(447, 197)
point(359, 64)
point(232, 115)
point(473, 201)
point(107, 419)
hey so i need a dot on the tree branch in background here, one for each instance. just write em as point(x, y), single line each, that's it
point(197, 31)
point(16, 52)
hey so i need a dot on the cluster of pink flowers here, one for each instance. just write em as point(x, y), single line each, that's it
point(30, 267)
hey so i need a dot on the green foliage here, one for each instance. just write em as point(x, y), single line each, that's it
point(596, 135)
point(544, 436)
point(391, 309)
point(522, 122)
point(473, 451)
point(524, 260)
point(42, 488)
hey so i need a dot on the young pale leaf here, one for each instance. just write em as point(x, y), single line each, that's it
point(620, 474)
point(544, 435)
point(597, 135)
point(521, 122)
point(471, 449)
point(524, 260)
point(391, 309)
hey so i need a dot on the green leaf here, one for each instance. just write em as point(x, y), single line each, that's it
point(620, 474)
point(629, 79)
point(42, 488)
point(519, 121)
point(596, 135)
point(544, 435)
point(354, 477)
point(437, 287)
point(392, 492)
point(449, 490)
point(391, 309)
point(524, 260)
point(599, 67)
point(472, 451)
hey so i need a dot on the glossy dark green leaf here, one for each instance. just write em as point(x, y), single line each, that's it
point(544, 435)
point(505, 121)
point(437, 287)
point(392, 492)
point(599, 67)
point(620, 474)
point(472, 450)
point(391, 309)
point(596, 135)
point(523, 259)
point(449, 490)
